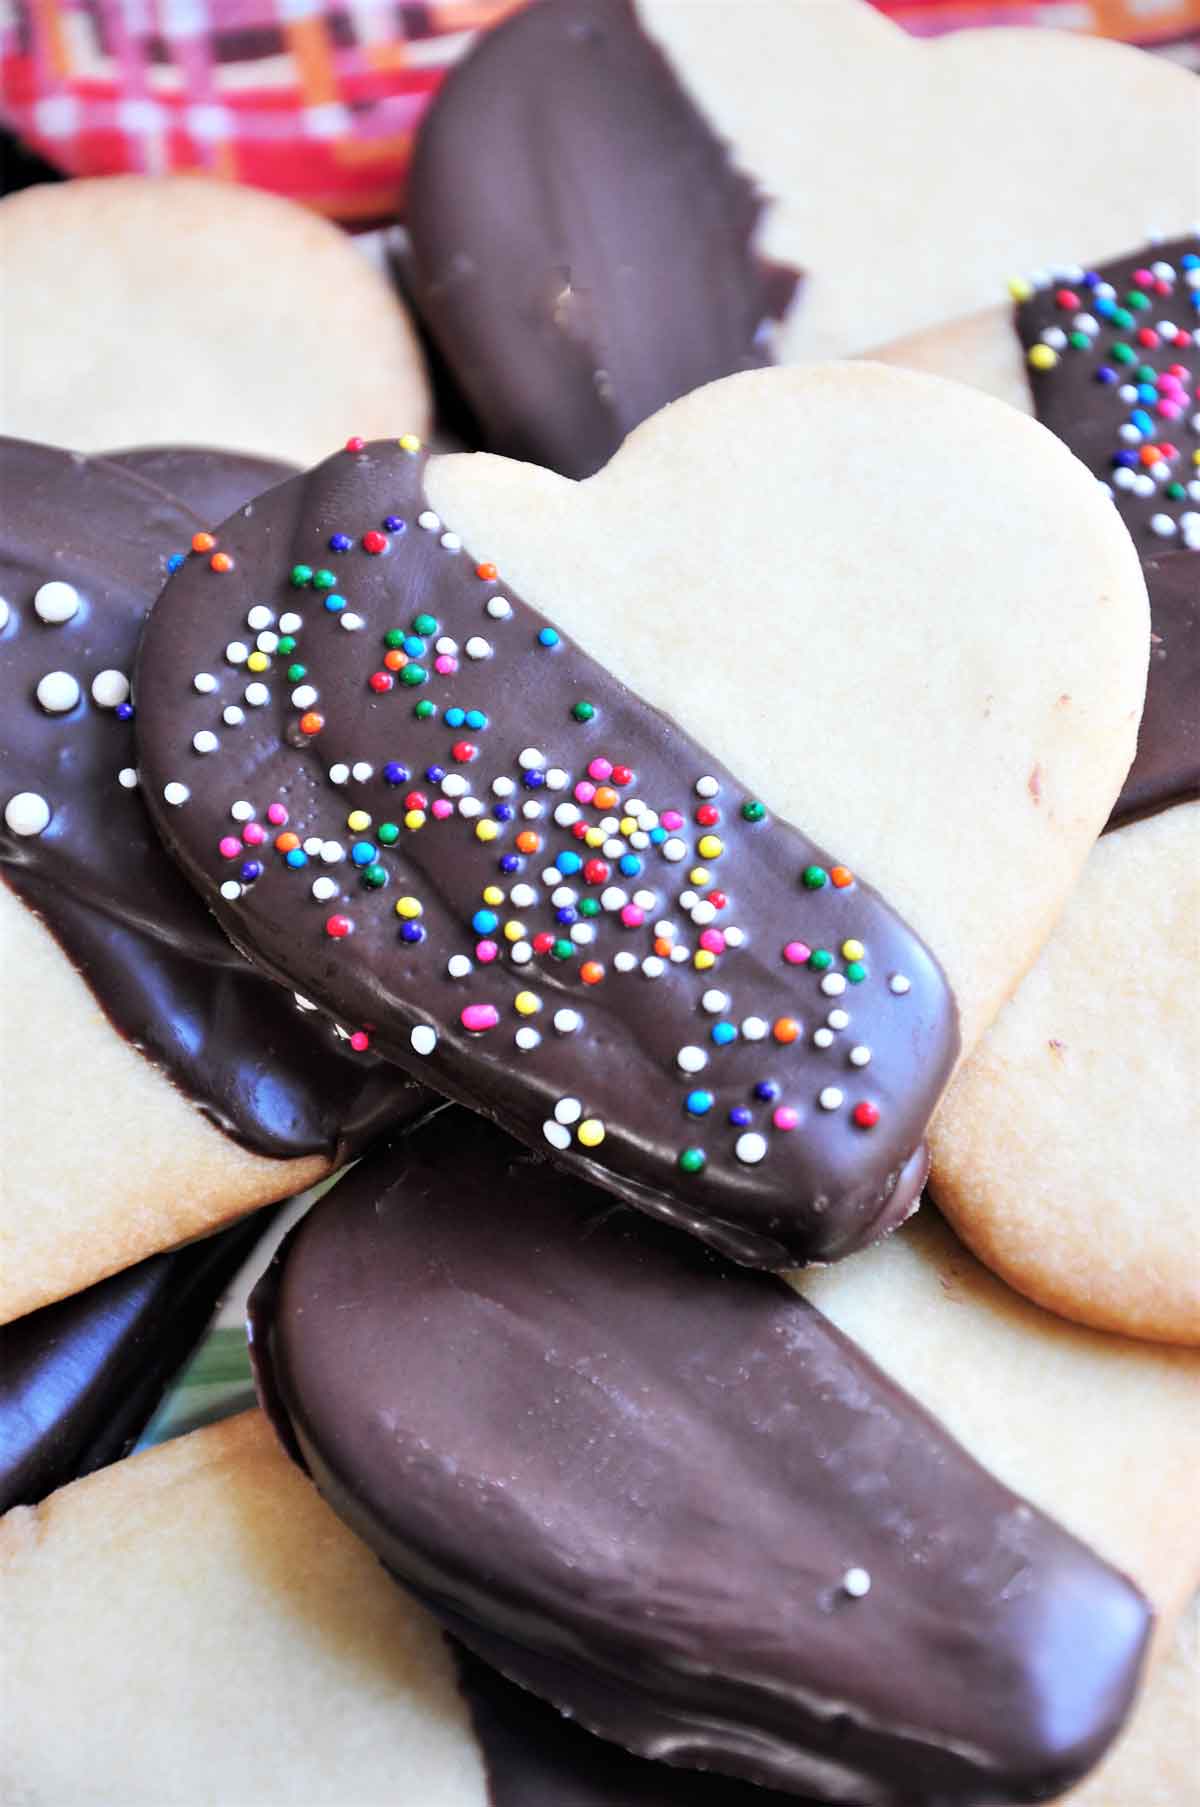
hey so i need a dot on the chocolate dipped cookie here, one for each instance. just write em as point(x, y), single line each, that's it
point(478, 848)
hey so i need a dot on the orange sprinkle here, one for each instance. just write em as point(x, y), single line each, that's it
point(591, 972)
point(486, 572)
point(841, 876)
point(785, 1029)
point(606, 797)
point(528, 842)
point(221, 561)
point(311, 722)
point(1150, 454)
point(285, 842)
point(395, 660)
point(203, 542)
point(662, 948)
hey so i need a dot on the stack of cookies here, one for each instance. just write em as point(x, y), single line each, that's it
point(721, 849)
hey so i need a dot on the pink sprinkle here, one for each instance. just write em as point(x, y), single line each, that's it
point(632, 917)
point(1169, 410)
point(277, 813)
point(785, 1117)
point(360, 1041)
point(446, 664)
point(229, 847)
point(600, 769)
point(442, 807)
point(712, 940)
point(671, 819)
point(478, 1017)
point(486, 951)
point(796, 953)
point(1143, 278)
point(254, 834)
point(584, 792)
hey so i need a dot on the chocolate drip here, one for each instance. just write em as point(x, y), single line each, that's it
point(581, 243)
point(81, 1379)
point(1080, 399)
point(708, 1088)
point(279, 1081)
point(669, 1496)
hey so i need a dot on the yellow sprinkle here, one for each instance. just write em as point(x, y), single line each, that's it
point(258, 662)
point(1196, 456)
point(1043, 357)
point(700, 875)
point(702, 960)
point(527, 1003)
point(408, 906)
point(1018, 288)
point(627, 825)
point(514, 931)
point(408, 442)
point(591, 1132)
point(415, 818)
point(357, 820)
point(595, 837)
point(852, 950)
point(492, 894)
point(710, 847)
point(486, 831)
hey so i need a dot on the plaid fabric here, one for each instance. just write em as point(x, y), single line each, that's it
point(319, 99)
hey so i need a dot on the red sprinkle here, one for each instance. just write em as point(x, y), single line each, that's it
point(543, 943)
point(464, 752)
point(360, 1041)
point(416, 800)
point(708, 815)
point(487, 572)
point(337, 927)
point(381, 681)
point(622, 775)
point(374, 541)
point(355, 444)
point(866, 1114)
point(596, 872)
point(717, 899)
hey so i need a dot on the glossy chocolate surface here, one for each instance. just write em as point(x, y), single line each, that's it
point(1124, 395)
point(81, 1379)
point(582, 246)
point(279, 1080)
point(668, 1495)
point(590, 995)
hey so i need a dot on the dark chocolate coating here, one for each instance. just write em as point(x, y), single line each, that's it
point(637, 1480)
point(212, 484)
point(1088, 415)
point(81, 1379)
point(581, 243)
point(825, 1186)
point(278, 1080)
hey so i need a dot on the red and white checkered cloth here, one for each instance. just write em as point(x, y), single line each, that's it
point(319, 99)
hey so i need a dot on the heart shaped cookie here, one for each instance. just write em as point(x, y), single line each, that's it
point(538, 890)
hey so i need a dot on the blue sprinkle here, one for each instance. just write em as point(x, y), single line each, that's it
point(476, 719)
point(503, 812)
point(339, 542)
point(658, 836)
point(698, 1104)
point(1147, 393)
point(363, 853)
point(630, 865)
point(1125, 460)
point(1105, 307)
point(393, 523)
point(724, 1033)
point(454, 718)
point(566, 916)
point(568, 862)
point(251, 870)
point(510, 862)
point(412, 931)
point(297, 857)
point(414, 646)
point(176, 559)
point(484, 921)
point(435, 773)
point(395, 774)
point(1106, 374)
point(1142, 420)
point(533, 781)
point(1190, 261)
point(766, 1090)
point(124, 712)
point(335, 603)
point(739, 1116)
point(547, 636)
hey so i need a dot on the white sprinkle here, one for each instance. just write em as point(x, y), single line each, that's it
point(290, 623)
point(856, 1583)
point(529, 758)
point(57, 692)
point(838, 1019)
point(612, 849)
point(257, 695)
point(304, 696)
point(899, 984)
point(526, 1039)
point(568, 1110)
point(451, 542)
point(691, 1059)
point(204, 682)
point(446, 645)
point(754, 1028)
point(127, 778)
point(625, 961)
point(423, 1039)
point(582, 933)
point(522, 897)
point(428, 520)
point(707, 787)
point(503, 787)
point(332, 852)
point(205, 741)
point(455, 785)
point(458, 966)
point(830, 1099)
point(27, 813)
point(664, 929)
point(1055, 337)
point(703, 913)
point(56, 602)
point(653, 967)
point(478, 648)
point(860, 1056)
point(5, 613)
point(351, 622)
point(679, 953)
point(715, 1002)
point(260, 616)
point(531, 810)
point(750, 1148)
point(237, 653)
point(833, 985)
point(1143, 484)
point(1163, 526)
point(231, 890)
point(556, 779)
point(175, 794)
point(361, 770)
point(109, 688)
point(562, 895)
point(734, 936)
point(521, 953)
point(1123, 478)
point(674, 850)
point(688, 898)
point(470, 806)
point(313, 846)
point(1130, 435)
point(566, 814)
point(823, 1038)
point(241, 811)
point(232, 716)
point(645, 900)
point(555, 1133)
point(339, 773)
point(267, 643)
point(567, 1021)
point(499, 608)
point(639, 841)
point(613, 898)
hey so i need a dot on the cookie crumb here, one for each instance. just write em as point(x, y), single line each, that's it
point(1034, 784)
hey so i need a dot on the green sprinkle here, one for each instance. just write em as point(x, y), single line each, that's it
point(301, 575)
point(588, 906)
point(394, 637)
point(1079, 341)
point(856, 972)
point(424, 624)
point(287, 644)
point(563, 950)
point(820, 959)
point(754, 811)
point(1137, 298)
point(424, 708)
point(1123, 354)
point(1175, 491)
point(691, 1160)
point(814, 878)
point(296, 672)
point(1122, 318)
point(413, 674)
point(323, 580)
point(374, 876)
point(583, 712)
point(388, 832)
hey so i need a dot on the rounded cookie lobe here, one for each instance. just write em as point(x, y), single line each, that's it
point(85, 547)
point(672, 1498)
point(525, 883)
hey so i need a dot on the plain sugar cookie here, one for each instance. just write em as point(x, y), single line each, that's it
point(179, 310)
